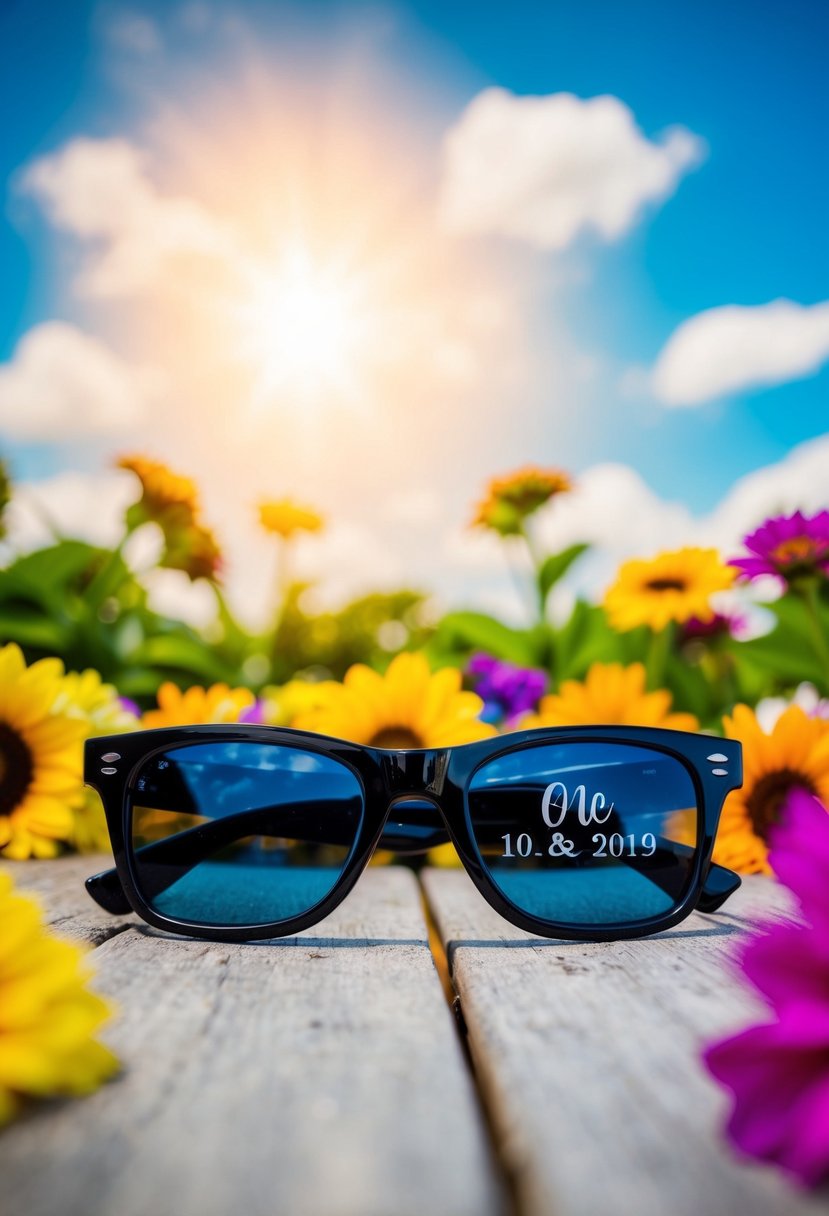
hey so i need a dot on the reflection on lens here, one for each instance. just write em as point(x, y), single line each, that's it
point(241, 833)
point(599, 834)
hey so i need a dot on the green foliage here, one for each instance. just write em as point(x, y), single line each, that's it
point(84, 605)
point(554, 568)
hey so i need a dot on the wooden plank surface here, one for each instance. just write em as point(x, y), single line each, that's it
point(322, 1076)
point(587, 1057)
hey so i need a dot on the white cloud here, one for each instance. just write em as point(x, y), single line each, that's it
point(99, 191)
point(89, 506)
point(62, 382)
point(611, 506)
point(728, 349)
point(614, 509)
point(544, 169)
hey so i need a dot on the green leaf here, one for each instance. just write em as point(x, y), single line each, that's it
point(183, 654)
point(469, 631)
point(554, 567)
point(31, 630)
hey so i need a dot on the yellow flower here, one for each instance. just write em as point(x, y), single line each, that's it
point(47, 1015)
point(671, 587)
point(285, 518)
point(612, 695)
point(83, 694)
point(86, 697)
point(794, 756)
point(162, 490)
point(510, 500)
point(40, 758)
point(281, 705)
point(407, 707)
point(197, 705)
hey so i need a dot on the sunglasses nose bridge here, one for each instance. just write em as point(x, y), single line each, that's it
point(414, 823)
point(416, 773)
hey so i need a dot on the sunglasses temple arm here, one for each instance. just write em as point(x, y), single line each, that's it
point(187, 849)
point(719, 884)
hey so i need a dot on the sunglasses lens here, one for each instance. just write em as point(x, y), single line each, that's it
point(598, 834)
point(241, 833)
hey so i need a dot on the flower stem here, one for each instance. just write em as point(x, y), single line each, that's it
point(809, 594)
point(657, 657)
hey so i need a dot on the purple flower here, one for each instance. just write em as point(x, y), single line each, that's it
point(778, 1072)
point(508, 691)
point(787, 546)
point(130, 706)
point(254, 715)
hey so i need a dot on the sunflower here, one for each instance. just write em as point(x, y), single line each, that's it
point(612, 695)
point(671, 587)
point(285, 518)
point(220, 703)
point(511, 499)
point(47, 1015)
point(407, 707)
point(794, 755)
point(40, 757)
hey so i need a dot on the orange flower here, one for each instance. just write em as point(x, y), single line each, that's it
point(161, 489)
point(217, 704)
point(610, 695)
point(512, 499)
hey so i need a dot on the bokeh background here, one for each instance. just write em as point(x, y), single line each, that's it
point(370, 255)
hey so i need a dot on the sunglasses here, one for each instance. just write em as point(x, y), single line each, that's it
point(241, 832)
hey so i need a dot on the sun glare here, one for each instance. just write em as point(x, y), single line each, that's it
point(303, 328)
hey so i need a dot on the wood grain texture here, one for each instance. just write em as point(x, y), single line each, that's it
point(67, 907)
point(587, 1057)
point(320, 1076)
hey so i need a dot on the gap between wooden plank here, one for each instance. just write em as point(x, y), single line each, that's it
point(587, 1059)
point(319, 1077)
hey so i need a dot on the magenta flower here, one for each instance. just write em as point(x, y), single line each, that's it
point(788, 546)
point(721, 625)
point(254, 715)
point(778, 1072)
point(508, 690)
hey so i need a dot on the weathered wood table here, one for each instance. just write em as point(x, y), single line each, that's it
point(328, 1075)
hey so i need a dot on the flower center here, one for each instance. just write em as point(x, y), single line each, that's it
point(16, 769)
point(799, 555)
point(396, 738)
point(769, 794)
point(666, 584)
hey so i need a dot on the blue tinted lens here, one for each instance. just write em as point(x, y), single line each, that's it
point(241, 833)
point(599, 834)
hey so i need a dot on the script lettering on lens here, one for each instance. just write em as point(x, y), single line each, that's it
point(556, 802)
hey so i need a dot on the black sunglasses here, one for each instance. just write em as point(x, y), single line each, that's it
point(240, 832)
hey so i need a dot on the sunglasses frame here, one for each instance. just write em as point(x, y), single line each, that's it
point(390, 779)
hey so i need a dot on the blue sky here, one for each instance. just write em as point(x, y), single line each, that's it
point(745, 225)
